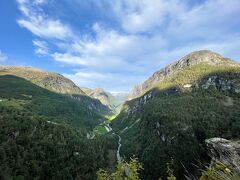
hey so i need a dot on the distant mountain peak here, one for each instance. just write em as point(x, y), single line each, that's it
point(201, 56)
point(113, 101)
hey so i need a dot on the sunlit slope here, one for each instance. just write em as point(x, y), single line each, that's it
point(172, 119)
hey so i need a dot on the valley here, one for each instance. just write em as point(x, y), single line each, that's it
point(51, 128)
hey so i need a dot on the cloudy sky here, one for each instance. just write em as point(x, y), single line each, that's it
point(114, 44)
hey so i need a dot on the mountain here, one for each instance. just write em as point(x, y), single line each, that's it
point(172, 113)
point(113, 101)
point(104, 97)
point(50, 128)
point(86, 90)
point(55, 83)
point(194, 58)
point(43, 128)
point(51, 81)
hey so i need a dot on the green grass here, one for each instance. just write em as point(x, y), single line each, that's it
point(100, 129)
point(18, 104)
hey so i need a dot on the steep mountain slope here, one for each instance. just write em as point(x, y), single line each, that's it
point(55, 83)
point(194, 58)
point(43, 134)
point(113, 101)
point(106, 98)
point(86, 90)
point(51, 81)
point(197, 97)
point(17, 92)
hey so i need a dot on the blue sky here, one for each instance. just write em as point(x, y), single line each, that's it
point(114, 44)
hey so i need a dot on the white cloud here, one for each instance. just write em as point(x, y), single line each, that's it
point(139, 16)
point(110, 50)
point(41, 47)
point(46, 28)
point(3, 57)
point(69, 58)
point(39, 23)
point(40, 2)
point(147, 35)
point(209, 20)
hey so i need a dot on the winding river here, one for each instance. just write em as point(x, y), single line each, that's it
point(119, 159)
point(109, 129)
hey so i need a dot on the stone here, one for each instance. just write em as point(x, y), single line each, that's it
point(226, 152)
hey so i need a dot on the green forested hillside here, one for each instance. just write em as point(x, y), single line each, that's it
point(43, 134)
point(55, 83)
point(170, 122)
point(22, 94)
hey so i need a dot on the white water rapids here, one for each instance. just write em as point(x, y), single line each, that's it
point(119, 159)
point(109, 129)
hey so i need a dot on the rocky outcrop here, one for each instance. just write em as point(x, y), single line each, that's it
point(191, 59)
point(51, 81)
point(225, 151)
point(138, 103)
point(219, 82)
point(61, 85)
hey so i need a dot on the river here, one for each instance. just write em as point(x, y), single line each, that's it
point(109, 129)
point(119, 159)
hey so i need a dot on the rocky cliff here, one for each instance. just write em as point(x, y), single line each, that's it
point(191, 59)
point(202, 70)
point(226, 153)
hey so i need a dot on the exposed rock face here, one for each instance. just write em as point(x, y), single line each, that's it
point(217, 82)
point(113, 101)
point(139, 103)
point(193, 58)
point(104, 97)
point(61, 85)
point(220, 83)
point(86, 90)
point(225, 151)
point(51, 81)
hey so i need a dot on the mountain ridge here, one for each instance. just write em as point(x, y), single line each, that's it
point(52, 81)
point(194, 58)
point(56, 83)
